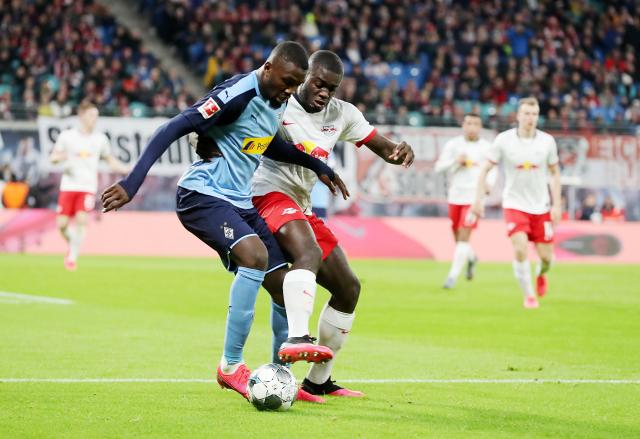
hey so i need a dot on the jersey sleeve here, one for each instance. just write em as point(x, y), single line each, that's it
point(105, 147)
point(61, 142)
point(494, 151)
point(356, 129)
point(552, 158)
point(447, 158)
point(218, 107)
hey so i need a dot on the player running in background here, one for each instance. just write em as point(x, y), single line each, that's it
point(314, 121)
point(79, 150)
point(241, 116)
point(529, 156)
point(463, 157)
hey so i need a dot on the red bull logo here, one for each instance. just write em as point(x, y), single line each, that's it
point(313, 150)
point(527, 166)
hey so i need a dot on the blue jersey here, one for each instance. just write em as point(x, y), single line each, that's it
point(242, 123)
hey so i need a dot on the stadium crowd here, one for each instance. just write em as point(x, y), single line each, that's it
point(55, 53)
point(433, 58)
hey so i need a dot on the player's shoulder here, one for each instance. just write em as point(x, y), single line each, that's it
point(345, 108)
point(243, 87)
point(545, 137)
point(506, 135)
point(453, 141)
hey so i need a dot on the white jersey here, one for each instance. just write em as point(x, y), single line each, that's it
point(463, 177)
point(316, 134)
point(84, 151)
point(526, 168)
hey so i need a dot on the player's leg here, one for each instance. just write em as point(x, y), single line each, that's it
point(65, 212)
point(543, 237)
point(296, 239)
point(522, 268)
point(463, 222)
point(335, 322)
point(222, 226)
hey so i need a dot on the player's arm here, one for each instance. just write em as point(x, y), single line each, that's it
point(119, 194)
point(59, 152)
point(556, 190)
point(283, 151)
point(399, 153)
point(447, 159)
point(481, 189)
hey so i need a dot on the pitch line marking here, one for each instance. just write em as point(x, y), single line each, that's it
point(358, 381)
point(7, 297)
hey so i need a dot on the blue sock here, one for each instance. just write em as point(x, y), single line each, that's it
point(242, 302)
point(280, 329)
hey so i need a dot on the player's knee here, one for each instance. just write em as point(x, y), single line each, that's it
point(352, 294)
point(258, 259)
point(310, 259)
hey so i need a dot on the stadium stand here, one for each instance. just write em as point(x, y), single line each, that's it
point(416, 59)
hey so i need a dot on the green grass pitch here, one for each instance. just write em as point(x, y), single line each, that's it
point(152, 318)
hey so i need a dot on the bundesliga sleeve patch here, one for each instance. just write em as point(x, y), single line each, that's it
point(209, 108)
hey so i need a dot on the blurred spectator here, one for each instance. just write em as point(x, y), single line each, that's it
point(610, 212)
point(588, 210)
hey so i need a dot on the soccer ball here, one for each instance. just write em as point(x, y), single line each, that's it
point(272, 387)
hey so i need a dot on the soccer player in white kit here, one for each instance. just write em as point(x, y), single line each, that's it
point(463, 157)
point(314, 121)
point(530, 162)
point(80, 149)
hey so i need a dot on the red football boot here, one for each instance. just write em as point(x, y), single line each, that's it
point(303, 348)
point(235, 381)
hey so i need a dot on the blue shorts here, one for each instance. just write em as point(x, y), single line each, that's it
point(221, 225)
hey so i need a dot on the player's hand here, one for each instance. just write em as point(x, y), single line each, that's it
point(331, 184)
point(114, 197)
point(478, 209)
point(556, 214)
point(404, 153)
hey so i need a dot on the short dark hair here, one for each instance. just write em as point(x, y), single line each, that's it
point(328, 60)
point(292, 52)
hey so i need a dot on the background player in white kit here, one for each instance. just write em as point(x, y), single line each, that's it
point(529, 156)
point(463, 157)
point(314, 121)
point(80, 149)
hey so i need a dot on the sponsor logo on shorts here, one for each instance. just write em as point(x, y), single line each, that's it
point(289, 211)
point(209, 108)
point(228, 232)
point(256, 145)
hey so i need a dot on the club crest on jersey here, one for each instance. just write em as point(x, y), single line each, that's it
point(328, 130)
point(256, 145)
point(209, 108)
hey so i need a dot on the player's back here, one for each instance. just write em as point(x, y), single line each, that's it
point(242, 123)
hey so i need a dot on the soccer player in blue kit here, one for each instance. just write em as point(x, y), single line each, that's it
point(241, 115)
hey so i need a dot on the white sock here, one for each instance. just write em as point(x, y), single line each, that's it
point(299, 290)
point(522, 272)
point(227, 368)
point(460, 257)
point(75, 242)
point(333, 328)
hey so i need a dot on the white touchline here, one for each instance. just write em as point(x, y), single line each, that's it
point(7, 297)
point(360, 381)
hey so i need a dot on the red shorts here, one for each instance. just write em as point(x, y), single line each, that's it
point(71, 202)
point(277, 209)
point(461, 216)
point(538, 228)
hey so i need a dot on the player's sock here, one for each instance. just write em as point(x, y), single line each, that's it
point(299, 290)
point(75, 241)
point(242, 301)
point(460, 257)
point(333, 328)
point(522, 272)
point(280, 329)
point(542, 267)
